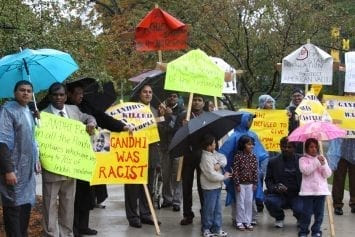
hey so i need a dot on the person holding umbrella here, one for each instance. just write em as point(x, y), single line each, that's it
point(18, 159)
point(192, 157)
point(314, 187)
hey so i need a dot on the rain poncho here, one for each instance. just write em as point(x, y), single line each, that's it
point(265, 98)
point(229, 149)
point(341, 148)
point(17, 132)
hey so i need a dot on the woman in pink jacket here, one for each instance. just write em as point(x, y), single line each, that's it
point(314, 188)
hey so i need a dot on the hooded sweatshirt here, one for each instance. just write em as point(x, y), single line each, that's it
point(314, 176)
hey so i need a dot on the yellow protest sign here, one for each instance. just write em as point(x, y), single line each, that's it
point(342, 111)
point(194, 72)
point(316, 88)
point(310, 109)
point(125, 162)
point(270, 126)
point(65, 147)
point(137, 115)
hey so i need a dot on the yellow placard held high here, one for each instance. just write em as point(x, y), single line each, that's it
point(342, 111)
point(270, 126)
point(137, 115)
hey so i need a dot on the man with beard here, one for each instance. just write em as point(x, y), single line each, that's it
point(283, 182)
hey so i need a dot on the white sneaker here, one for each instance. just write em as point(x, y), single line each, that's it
point(207, 233)
point(279, 224)
point(221, 233)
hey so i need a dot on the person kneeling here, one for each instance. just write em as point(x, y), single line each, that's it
point(283, 182)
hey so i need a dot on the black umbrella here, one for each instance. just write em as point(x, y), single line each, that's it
point(156, 81)
point(98, 97)
point(218, 123)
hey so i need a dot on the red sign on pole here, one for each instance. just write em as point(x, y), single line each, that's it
point(160, 31)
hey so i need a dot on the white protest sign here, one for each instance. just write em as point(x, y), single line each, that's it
point(230, 81)
point(349, 85)
point(307, 65)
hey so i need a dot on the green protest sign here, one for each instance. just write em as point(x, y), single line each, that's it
point(194, 72)
point(65, 147)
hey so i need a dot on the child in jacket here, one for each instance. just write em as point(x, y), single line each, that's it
point(314, 188)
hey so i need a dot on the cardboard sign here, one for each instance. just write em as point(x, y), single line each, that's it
point(310, 109)
point(138, 116)
point(342, 111)
point(65, 147)
point(349, 85)
point(194, 72)
point(125, 162)
point(307, 65)
point(160, 31)
point(270, 126)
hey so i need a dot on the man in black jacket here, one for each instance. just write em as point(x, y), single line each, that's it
point(283, 182)
point(172, 189)
point(87, 196)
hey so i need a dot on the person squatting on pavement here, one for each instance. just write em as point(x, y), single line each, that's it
point(18, 161)
point(283, 183)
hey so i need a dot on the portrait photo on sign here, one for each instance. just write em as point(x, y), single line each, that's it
point(101, 141)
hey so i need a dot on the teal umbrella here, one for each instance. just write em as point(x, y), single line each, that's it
point(41, 67)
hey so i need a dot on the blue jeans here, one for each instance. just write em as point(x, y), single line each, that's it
point(312, 205)
point(275, 203)
point(212, 210)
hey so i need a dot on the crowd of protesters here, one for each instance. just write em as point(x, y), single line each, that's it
point(293, 181)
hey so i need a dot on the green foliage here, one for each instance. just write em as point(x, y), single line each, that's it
point(250, 35)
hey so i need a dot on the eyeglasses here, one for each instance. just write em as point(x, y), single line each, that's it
point(173, 95)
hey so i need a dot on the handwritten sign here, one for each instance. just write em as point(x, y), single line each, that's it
point(270, 126)
point(125, 163)
point(349, 85)
point(138, 116)
point(307, 65)
point(160, 31)
point(310, 109)
point(65, 147)
point(194, 72)
point(342, 111)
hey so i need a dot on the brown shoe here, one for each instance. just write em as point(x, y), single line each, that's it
point(186, 221)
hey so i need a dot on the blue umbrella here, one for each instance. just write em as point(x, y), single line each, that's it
point(41, 67)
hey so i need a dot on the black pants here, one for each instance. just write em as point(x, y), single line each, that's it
point(16, 220)
point(190, 164)
point(135, 201)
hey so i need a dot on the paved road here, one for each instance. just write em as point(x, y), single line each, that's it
point(111, 222)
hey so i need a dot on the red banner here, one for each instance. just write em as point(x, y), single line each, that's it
point(160, 31)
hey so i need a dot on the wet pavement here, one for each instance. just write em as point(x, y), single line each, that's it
point(111, 221)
